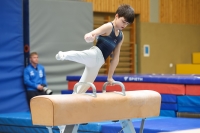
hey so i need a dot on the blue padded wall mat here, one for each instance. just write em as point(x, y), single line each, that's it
point(168, 113)
point(172, 79)
point(168, 98)
point(166, 124)
point(188, 100)
point(12, 91)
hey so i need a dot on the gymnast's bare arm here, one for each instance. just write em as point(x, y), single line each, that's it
point(105, 30)
point(114, 62)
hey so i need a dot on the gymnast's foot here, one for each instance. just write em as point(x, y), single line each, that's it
point(60, 56)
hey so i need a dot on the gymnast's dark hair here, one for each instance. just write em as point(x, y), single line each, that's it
point(127, 12)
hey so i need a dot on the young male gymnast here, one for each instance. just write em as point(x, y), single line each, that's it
point(109, 39)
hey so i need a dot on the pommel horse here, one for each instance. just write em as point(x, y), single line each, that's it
point(74, 109)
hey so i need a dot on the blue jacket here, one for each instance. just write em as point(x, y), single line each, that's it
point(33, 77)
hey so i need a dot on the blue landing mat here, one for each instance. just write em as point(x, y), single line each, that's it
point(157, 125)
point(20, 122)
point(96, 127)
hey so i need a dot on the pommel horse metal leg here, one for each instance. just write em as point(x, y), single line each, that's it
point(49, 129)
point(142, 125)
point(68, 128)
point(128, 127)
point(75, 129)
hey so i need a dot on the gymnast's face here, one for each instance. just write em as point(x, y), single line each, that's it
point(34, 59)
point(121, 23)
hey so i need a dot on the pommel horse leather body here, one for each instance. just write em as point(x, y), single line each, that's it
point(54, 110)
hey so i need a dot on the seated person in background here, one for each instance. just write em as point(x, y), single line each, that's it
point(35, 78)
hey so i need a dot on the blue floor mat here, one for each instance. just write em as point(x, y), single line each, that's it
point(21, 123)
point(157, 125)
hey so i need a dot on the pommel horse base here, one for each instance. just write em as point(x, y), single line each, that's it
point(74, 109)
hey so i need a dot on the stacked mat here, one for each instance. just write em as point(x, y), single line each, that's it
point(168, 105)
point(188, 106)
